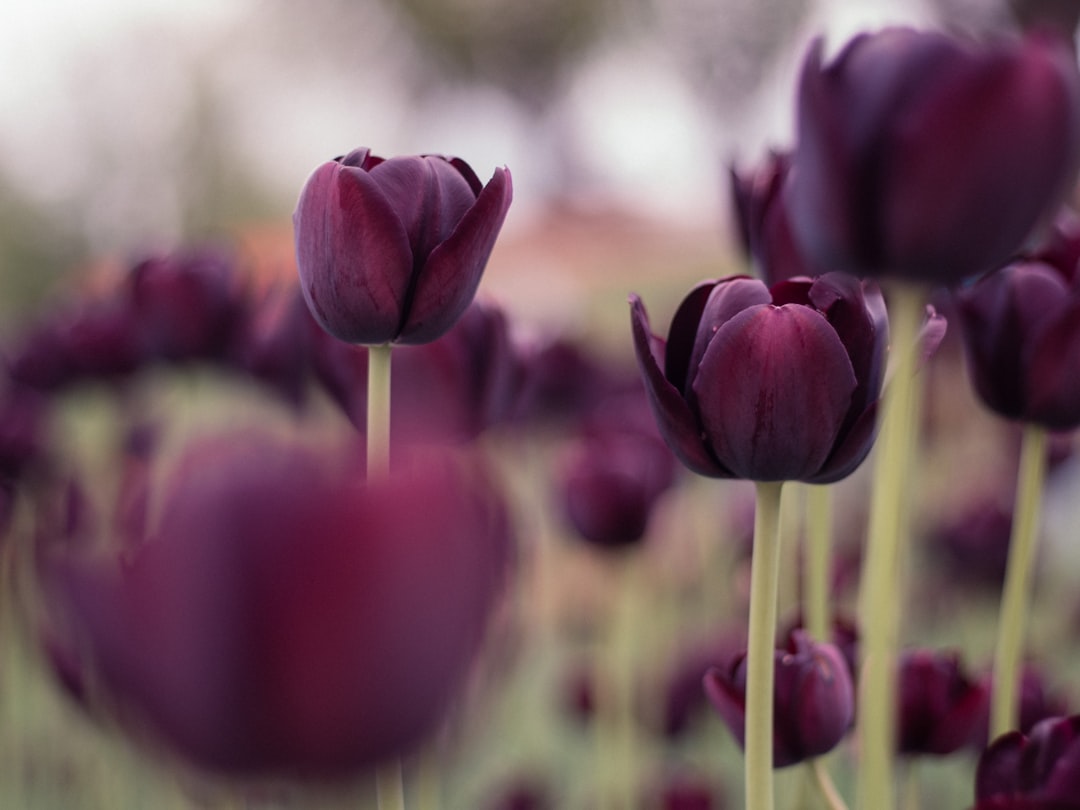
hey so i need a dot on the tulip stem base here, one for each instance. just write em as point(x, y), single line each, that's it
point(829, 794)
point(761, 644)
point(818, 561)
point(882, 576)
point(1004, 710)
point(390, 786)
point(378, 411)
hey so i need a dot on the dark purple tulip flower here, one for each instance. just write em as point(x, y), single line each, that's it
point(762, 220)
point(1036, 772)
point(391, 251)
point(1021, 329)
point(940, 705)
point(777, 384)
point(931, 158)
point(814, 701)
point(287, 620)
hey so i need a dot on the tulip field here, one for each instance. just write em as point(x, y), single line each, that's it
point(790, 529)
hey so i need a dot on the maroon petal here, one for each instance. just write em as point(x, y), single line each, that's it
point(1052, 381)
point(673, 417)
point(999, 767)
point(353, 255)
point(448, 281)
point(728, 298)
point(726, 691)
point(774, 388)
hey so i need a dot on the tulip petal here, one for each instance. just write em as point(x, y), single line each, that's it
point(726, 691)
point(1052, 381)
point(448, 281)
point(999, 767)
point(1001, 125)
point(683, 333)
point(852, 448)
point(774, 388)
point(353, 255)
point(673, 417)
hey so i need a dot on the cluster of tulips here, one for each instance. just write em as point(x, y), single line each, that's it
point(258, 606)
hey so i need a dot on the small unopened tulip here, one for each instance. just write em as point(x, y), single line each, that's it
point(814, 700)
point(940, 705)
point(777, 384)
point(391, 251)
point(931, 158)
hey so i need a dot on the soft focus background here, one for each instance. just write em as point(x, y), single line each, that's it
point(131, 126)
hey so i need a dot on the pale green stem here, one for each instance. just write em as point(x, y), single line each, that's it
point(791, 525)
point(1005, 711)
point(818, 561)
point(390, 786)
point(912, 797)
point(881, 585)
point(829, 794)
point(378, 411)
point(761, 644)
point(388, 779)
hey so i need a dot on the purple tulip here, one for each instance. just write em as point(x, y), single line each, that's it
point(286, 620)
point(928, 157)
point(1021, 329)
point(940, 705)
point(391, 251)
point(762, 220)
point(1036, 772)
point(814, 700)
point(1037, 703)
point(768, 385)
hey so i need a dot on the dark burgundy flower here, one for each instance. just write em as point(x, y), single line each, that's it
point(393, 250)
point(768, 384)
point(1021, 329)
point(1036, 772)
point(974, 543)
point(927, 157)
point(286, 620)
point(939, 704)
point(814, 700)
point(762, 220)
point(187, 305)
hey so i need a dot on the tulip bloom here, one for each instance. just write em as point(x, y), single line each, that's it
point(929, 158)
point(286, 621)
point(768, 385)
point(1021, 329)
point(814, 699)
point(1036, 772)
point(940, 706)
point(391, 251)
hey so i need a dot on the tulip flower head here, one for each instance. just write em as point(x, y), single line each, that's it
point(929, 158)
point(1040, 771)
point(940, 705)
point(814, 698)
point(765, 384)
point(391, 251)
point(285, 620)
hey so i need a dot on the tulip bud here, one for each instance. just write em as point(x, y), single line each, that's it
point(940, 705)
point(814, 700)
point(930, 158)
point(764, 384)
point(1039, 771)
point(391, 251)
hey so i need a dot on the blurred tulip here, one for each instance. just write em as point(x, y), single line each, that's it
point(286, 620)
point(1021, 329)
point(391, 251)
point(814, 700)
point(1036, 772)
point(762, 221)
point(1037, 702)
point(768, 385)
point(930, 158)
point(940, 704)
point(974, 544)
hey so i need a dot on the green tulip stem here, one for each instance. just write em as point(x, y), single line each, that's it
point(881, 586)
point(829, 794)
point(818, 561)
point(1005, 711)
point(389, 783)
point(761, 644)
point(378, 411)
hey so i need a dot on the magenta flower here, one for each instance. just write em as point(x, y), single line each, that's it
point(931, 158)
point(768, 385)
point(391, 251)
point(285, 620)
point(1021, 329)
point(814, 699)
